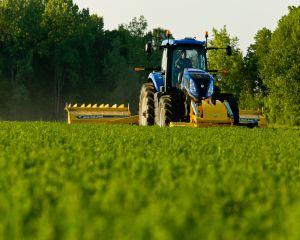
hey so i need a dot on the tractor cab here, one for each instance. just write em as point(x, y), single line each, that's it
point(184, 66)
point(179, 55)
point(183, 57)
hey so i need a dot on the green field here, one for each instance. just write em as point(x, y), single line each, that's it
point(128, 182)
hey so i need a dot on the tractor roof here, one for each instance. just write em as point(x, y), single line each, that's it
point(182, 42)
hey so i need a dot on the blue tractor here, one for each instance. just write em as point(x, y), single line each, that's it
point(182, 92)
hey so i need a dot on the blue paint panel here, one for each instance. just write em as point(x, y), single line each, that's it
point(157, 79)
point(187, 83)
point(186, 42)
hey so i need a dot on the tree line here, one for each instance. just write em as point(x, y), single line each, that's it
point(52, 52)
point(268, 76)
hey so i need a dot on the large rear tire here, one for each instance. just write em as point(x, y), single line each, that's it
point(146, 105)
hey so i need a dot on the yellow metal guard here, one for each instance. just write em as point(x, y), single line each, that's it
point(207, 115)
point(210, 115)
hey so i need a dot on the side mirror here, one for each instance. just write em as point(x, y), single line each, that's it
point(149, 47)
point(229, 50)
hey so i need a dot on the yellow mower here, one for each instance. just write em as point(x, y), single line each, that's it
point(102, 113)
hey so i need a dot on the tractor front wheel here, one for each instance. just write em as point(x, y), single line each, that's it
point(170, 109)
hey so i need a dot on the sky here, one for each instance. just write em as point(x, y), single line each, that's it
point(191, 18)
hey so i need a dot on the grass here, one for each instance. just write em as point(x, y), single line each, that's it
point(127, 182)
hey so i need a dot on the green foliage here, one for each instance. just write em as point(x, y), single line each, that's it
point(19, 30)
point(51, 52)
point(272, 69)
point(137, 27)
point(218, 60)
point(127, 46)
point(122, 182)
point(281, 70)
point(117, 88)
point(157, 36)
point(254, 91)
point(48, 49)
point(251, 101)
point(255, 62)
point(261, 47)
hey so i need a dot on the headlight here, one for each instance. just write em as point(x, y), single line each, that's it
point(193, 88)
point(211, 88)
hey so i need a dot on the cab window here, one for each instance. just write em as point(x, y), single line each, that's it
point(184, 58)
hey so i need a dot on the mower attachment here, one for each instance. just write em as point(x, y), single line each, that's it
point(100, 114)
point(252, 118)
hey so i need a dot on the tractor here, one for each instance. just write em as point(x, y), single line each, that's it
point(182, 92)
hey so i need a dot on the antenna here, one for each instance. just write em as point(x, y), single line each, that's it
point(168, 34)
point(206, 38)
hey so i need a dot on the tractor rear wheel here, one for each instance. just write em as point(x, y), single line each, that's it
point(170, 109)
point(146, 105)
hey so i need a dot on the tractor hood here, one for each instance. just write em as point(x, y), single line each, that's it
point(198, 84)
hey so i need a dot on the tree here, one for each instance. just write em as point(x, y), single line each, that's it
point(281, 70)
point(255, 60)
point(157, 35)
point(19, 34)
point(50, 51)
point(233, 82)
point(70, 36)
point(138, 26)
point(60, 21)
point(254, 90)
point(126, 50)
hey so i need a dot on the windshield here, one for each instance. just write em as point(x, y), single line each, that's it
point(186, 58)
